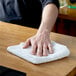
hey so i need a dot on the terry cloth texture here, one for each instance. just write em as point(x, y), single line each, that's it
point(60, 51)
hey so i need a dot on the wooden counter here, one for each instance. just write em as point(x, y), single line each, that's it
point(11, 34)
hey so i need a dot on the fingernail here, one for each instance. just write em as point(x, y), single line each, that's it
point(32, 53)
point(52, 52)
point(24, 47)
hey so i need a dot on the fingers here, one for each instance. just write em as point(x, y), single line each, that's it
point(45, 51)
point(27, 43)
point(50, 49)
point(34, 49)
point(39, 50)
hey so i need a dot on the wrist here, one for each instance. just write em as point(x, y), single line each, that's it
point(45, 31)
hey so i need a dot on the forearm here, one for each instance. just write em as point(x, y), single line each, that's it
point(49, 16)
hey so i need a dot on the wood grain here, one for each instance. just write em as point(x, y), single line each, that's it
point(11, 34)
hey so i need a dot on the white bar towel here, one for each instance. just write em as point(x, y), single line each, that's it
point(60, 51)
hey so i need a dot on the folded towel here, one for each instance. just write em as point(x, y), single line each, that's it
point(60, 51)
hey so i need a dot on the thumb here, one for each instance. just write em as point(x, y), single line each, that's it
point(27, 43)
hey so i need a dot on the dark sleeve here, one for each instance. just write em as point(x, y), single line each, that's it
point(45, 2)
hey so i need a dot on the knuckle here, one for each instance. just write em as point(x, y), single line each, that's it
point(45, 45)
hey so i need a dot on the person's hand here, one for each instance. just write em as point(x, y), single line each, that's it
point(41, 44)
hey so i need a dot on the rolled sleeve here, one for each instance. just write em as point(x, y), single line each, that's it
point(45, 2)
